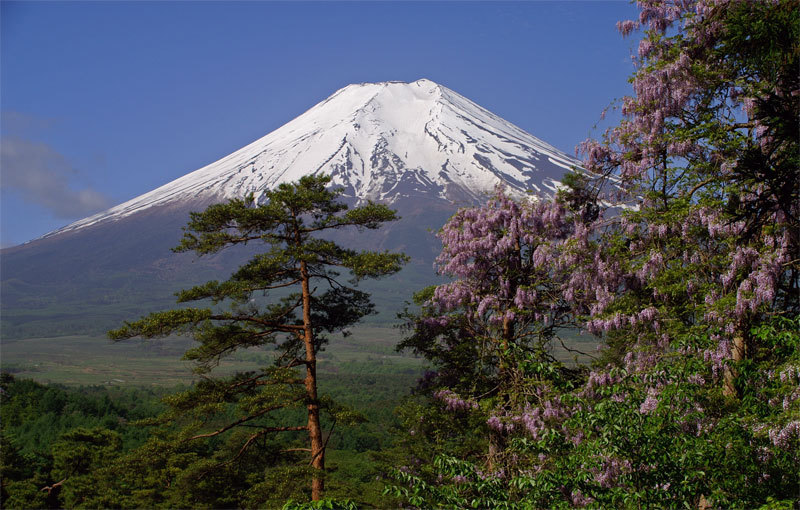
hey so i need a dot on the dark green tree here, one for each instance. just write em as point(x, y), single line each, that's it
point(78, 458)
point(300, 266)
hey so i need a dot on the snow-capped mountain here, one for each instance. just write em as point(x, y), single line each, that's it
point(380, 141)
point(419, 147)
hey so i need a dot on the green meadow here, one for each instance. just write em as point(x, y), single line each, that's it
point(79, 360)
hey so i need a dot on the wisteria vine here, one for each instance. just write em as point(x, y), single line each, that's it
point(693, 292)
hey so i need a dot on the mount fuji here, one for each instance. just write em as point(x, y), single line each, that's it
point(385, 142)
point(419, 147)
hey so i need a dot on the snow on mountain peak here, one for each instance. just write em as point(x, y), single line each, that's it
point(380, 141)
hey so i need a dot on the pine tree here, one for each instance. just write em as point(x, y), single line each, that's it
point(297, 264)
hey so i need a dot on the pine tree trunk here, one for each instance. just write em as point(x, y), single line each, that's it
point(314, 428)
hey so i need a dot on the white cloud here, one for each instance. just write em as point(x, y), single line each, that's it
point(41, 176)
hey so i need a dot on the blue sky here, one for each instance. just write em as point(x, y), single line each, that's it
point(104, 101)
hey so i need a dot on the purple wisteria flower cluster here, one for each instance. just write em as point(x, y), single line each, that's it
point(453, 402)
point(502, 255)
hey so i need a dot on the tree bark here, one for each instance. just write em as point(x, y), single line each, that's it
point(497, 439)
point(314, 428)
point(737, 354)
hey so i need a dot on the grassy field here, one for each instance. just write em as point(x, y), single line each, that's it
point(88, 360)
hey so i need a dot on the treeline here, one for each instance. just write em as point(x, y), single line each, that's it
point(35, 415)
point(95, 447)
point(51, 432)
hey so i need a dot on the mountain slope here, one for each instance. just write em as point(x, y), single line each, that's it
point(419, 147)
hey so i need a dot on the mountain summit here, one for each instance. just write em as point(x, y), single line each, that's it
point(380, 141)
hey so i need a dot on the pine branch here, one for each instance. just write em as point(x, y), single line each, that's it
point(276, 326)
point(325, 444)
point(50, 488)
point(252, 417)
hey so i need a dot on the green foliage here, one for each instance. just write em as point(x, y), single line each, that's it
point(326, 503)
point(59, 444)
point(694, 441)
point(35, 415)
point(162, 324)
point(246, 411)
point(359, 371)
point(466, 487)
point(695, 292)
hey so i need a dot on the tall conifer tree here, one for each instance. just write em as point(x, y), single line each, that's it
point(230, 317)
